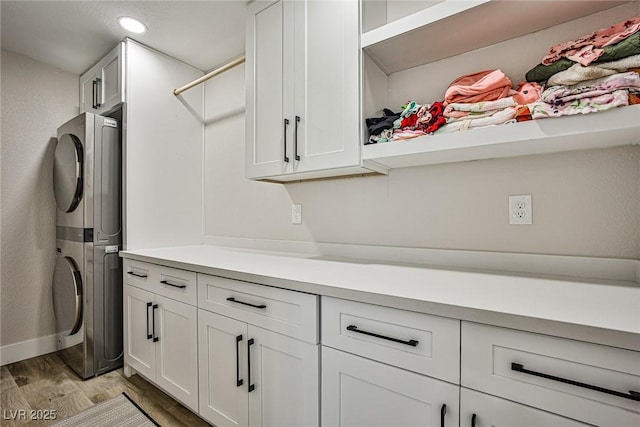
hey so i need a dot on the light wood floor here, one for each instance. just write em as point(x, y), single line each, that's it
point(46, 383)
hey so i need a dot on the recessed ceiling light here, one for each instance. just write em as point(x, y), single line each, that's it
point(131, 24)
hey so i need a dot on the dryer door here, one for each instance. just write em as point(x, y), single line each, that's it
point(67, 172)
point(67, 296)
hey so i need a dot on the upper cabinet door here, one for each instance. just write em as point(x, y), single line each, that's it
point(111, 88)
point(327, 64)
point(269, 64)
point(102, 86)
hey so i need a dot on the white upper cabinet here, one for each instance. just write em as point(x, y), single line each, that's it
point(326, 113)
point(102, 87)
point(267, 70)
point(303, 79)
point(413, 50)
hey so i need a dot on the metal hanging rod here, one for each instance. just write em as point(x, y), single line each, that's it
point(209, 75)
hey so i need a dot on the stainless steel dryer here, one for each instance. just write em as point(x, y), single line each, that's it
point(87, 282)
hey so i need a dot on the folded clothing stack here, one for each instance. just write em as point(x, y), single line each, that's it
point(486, 98)
point(606, 45)
point(595, 72)
point(589, 96)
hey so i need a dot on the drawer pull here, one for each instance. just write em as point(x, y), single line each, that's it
point(284, 132)
point(164, 282)
point(261, 306)
point(443, 412)
point(633, 395)
point(251, 386)
point(153, 313)
point(144, 276)
point(239, 380)
point(473, 420)
point(354, 328)
point(149, 336)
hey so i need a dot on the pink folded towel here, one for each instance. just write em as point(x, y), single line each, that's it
point(487, 85)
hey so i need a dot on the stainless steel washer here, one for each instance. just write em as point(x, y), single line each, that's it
point(87, 282)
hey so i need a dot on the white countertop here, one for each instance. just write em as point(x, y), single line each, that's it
point(466, 294)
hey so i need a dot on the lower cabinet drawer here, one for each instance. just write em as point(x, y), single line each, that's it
point(359, 392)
point(591, 383)
point(482, 410)
point(173, 283)
point(418, 342)
point(287, 312)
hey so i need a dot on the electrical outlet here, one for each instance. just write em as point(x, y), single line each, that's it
point(520, 209)
point(296, 214)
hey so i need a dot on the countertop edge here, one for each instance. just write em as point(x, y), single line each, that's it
point(628, 339)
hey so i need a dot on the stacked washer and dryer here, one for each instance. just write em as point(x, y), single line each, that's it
point(87, 283)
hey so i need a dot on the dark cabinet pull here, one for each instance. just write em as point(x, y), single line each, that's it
point(95, 91)
point(249, 344)
point(473, 420)
point(443, 412)
point(153, 312)
point(164, 282)
point(238, 380)
point(633, 395)
point(354, 328)
point(295, 140)
point(261, 306)
point(149, 336)
point(98, 93)
point(144, 276)
point(286, 123)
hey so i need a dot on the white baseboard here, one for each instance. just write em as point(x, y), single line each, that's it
point(16, 352)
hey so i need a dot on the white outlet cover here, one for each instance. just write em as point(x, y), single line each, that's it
point(520, 209)
point(296, 214)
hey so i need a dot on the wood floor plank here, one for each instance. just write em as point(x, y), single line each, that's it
point(70, 404)
point(42, 392)
point(6, 379)
point(12, 401)
point(32, 370)
point(45, 382)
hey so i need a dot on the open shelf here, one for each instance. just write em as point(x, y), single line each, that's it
point(616, 127)
point(453, 27)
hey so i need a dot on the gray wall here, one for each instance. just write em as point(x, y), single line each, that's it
point(584, 203)
point(36, 99)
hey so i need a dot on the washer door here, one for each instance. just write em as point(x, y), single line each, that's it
point(67, 296)
point(67, 172)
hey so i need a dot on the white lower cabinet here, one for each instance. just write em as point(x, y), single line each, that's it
point(161, 341)
point(482, 410)
point(591, 383)
point(358, 392)
point(250, 376)
point(248, 355)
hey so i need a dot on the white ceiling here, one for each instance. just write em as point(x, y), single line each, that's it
point(74, 35)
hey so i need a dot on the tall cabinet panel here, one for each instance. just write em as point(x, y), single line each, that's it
point(163, 151)
point(326, 85)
